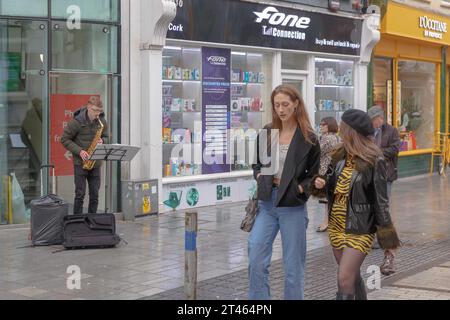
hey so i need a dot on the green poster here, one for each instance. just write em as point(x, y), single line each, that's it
point(11, 62)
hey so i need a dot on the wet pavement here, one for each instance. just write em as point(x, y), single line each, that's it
point(151, 264)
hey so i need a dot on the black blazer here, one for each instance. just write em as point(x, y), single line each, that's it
point(301, 165)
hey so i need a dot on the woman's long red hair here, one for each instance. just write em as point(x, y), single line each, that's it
point(301, 114)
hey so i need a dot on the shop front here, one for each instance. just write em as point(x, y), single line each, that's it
point(409, 81)
point(54, 54)
point(217, 77)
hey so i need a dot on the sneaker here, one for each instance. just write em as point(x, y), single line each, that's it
point(387, 267)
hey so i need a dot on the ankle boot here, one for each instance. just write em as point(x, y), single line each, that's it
point(360, 289)
point(388, 267)
point(344, 296)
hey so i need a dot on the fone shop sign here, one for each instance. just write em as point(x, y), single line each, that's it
point(259, 25)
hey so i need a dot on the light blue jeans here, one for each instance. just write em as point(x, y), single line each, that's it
point(292, 222)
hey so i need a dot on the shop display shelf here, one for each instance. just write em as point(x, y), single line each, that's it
point(181, 81)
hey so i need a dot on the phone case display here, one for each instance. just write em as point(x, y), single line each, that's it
point(182, 105)
point(181, 96)
point(247, 83)
point(333, 88)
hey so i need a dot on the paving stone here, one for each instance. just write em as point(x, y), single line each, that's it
point(317, 287)
point(434, 278)
point(155, 253)
point(29, 291)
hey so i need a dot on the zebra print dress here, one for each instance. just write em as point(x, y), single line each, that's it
point(336, 225)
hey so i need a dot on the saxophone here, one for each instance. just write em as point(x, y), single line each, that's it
point(89, 164)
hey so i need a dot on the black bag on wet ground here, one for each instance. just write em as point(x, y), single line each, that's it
point(90, 231)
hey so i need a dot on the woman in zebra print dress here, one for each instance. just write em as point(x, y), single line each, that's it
point(336, 229)
point(356, 187)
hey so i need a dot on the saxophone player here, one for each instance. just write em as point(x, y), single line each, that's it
point(87, 129)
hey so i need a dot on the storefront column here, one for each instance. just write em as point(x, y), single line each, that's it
point(146, 115)
point(369, 38)
point(361, 89)
point(443, 105)
point(310, 88)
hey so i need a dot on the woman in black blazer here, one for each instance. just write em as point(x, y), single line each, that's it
point(289, 158)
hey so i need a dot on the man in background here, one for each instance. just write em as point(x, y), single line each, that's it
point(387, 139)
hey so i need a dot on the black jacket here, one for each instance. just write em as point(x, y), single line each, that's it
point(390, 145)
point(368, 206)
point(80, 132)
point(301, 165)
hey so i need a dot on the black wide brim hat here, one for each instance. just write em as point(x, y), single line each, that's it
point(359, 121)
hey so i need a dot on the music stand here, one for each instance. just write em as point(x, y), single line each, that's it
point(114, 152)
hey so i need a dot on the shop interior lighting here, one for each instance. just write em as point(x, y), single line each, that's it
point(235, 53)
point(181, 81)
point(191, 49)
point(173, 48)
point(254, 55)
point(246, 83)
point(331, 60)
point(331, 86)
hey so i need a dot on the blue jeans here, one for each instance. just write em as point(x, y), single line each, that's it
point(292, 222)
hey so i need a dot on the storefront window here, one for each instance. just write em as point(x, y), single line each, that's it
point(103, 10)
point(23, 101)
point(294, 61)
point(183, 107)
point(91, 48)
point(334, 91)
point(35, 8)
point(416, 110)
point(382, 86)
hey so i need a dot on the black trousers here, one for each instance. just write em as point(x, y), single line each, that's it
point(93, 179)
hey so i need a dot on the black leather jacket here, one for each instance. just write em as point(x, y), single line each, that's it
point(301, 165)
point(368, 205)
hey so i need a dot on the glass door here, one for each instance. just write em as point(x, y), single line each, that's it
point(69, 92)
point(23, 115)
point(296, 80)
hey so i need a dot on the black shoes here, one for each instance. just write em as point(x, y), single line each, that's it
point(360, 289)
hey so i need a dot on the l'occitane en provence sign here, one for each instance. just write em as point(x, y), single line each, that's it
point(432, 28)
point(409, 22)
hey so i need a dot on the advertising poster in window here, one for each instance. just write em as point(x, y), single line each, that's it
point(62, 108)
point(216, 109)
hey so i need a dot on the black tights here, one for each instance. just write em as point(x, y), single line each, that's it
point(349, 261)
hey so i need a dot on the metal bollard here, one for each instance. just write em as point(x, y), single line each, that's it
point(190, 264)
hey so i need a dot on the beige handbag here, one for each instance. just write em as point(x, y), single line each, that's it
point(251, 210)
